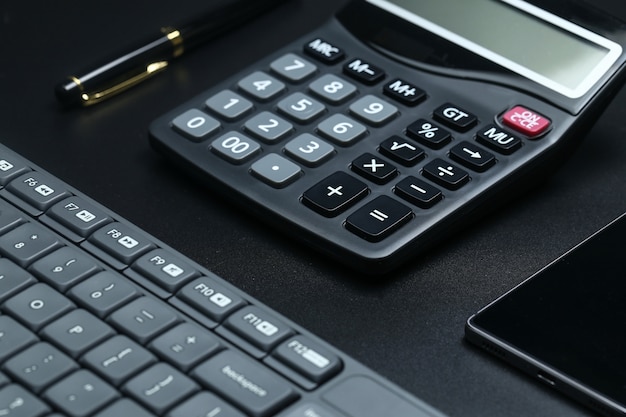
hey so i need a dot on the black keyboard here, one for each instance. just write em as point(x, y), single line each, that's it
point(98, 318)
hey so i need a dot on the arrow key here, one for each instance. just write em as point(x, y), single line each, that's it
point(472, 156)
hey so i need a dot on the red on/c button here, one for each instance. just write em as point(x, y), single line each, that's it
point(526, 121)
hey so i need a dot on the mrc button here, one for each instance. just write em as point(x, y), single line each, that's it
point(526, 121)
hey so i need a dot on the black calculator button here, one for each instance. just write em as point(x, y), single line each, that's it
point(332, 89)
point(293, 68)
point(195, 125)
point(261, 86)
point(341, 129)
point(402, 150)
point(404, 92)
point(363, 71)
point(334, 194)
point(446, 174)
point(455, 117)
point(373, 110)
point(378, 219)
point(309, 150)
point(428, 133)
point(324, 51)
point(374, 169)
point(472, 156)
point(229, 105)
point(498, 139)
point(418, 192)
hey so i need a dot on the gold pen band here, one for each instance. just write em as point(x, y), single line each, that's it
point(176, 38)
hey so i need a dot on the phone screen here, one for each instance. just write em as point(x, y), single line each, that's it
point(569, 317)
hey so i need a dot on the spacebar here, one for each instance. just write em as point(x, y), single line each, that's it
point(360, 396)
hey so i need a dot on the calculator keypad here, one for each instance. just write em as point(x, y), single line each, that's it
point(377, 156)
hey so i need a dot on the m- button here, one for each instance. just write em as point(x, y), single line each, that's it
point(334, 194)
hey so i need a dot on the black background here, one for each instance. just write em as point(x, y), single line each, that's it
point(408, 328)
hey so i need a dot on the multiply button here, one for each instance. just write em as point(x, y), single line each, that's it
point(334, 194)
point(378, 219)
point(374, 169)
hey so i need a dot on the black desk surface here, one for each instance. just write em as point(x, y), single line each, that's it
point(409, 328)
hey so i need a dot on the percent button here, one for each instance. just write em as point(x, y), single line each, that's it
point(428, 133)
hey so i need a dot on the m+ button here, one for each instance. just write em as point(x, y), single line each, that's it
point(334, 194)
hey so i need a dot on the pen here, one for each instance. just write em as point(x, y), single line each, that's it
point(149, 58)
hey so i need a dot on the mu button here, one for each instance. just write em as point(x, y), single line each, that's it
point(334, 194)
point(378, 219)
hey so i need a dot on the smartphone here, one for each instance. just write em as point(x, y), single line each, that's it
point(399, 121)
point(565, 325)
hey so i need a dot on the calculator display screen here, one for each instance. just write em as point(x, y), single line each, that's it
point(530, 41)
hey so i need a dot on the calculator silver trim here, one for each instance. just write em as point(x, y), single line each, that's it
point(613, 54)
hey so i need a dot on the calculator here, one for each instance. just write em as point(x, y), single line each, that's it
point(400, 121)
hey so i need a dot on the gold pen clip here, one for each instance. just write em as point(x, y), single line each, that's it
point(89, 99)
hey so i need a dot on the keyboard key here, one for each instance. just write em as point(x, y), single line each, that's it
point(165, 269)
point(310, 409)
point(185, 345)
point(122, 242)
point(37, 306)
point(258, 327)
point(205, 404)
point(10, 217)
point(210, 298)
point(13, 279)
point(13, 337)
point(11, 166)
point(27, 243)
point(125, 408)
point(39, 366)
point(78, 215)
point(118, 359)
point(245, 382)
point(103, 293)
point(80, 394)
point(38, 190)
point(525, 121)
point(308, 358)
point(160, 387)
point(144, 318)
point(16, 401)
point(378, 219)
point(342, 129)
point(76, 332)
point(64, 268)
point(404, 92)
point(334, 194)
